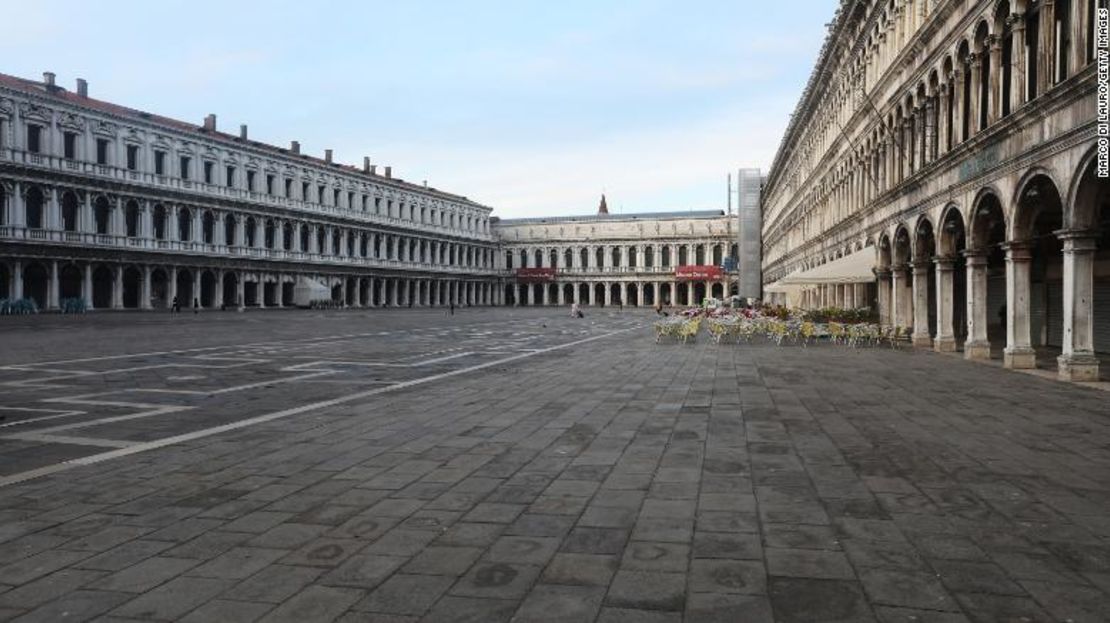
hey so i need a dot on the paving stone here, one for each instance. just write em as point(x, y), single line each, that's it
point(47, 588)
point(452, 609)
point(496, 580)
point(325, 552)
point(809, 563)
point(982, 608)
point(975, 577)
point(274, 584)
point(406, 594)
point(523, 550)
point(560, 604)
point(644, 556)
point(530, 524)
point(315, 603)
point(492, 512)
point(238, 563)
point(81, 605)
point(797, 600)
point(727, 576)
point(402, 542)
point(287, 536)
point(726, 608)
point(173, 599)
point(647, 590)
point(227, 610)
point(912, 589)
point(631, 615)
point(580, 569)
point(889, 614)
point(443, 560)
point(727, 545)
point(144, 575)
point(363, 571)
point(43, 563)
point(471, 534)
point(588, 540)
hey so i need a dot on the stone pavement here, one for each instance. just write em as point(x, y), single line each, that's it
point(613, 480)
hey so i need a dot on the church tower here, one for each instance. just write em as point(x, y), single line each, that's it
point(602, 209)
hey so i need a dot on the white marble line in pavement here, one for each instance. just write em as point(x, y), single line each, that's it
point(269, 417)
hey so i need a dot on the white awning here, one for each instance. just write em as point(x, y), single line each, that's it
point(854, 268)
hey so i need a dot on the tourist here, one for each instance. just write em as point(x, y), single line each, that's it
point(196, 305)
point(175, 307)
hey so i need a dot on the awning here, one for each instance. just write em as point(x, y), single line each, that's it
point(854, 268)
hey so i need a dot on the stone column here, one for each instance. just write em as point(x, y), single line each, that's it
point(1019, 76)
point(1046, 68)
point(240, 290)
point(977, 347)
point(921, 335)
point(958, 135)
point(930, 146)
point(944, 128)
point(898, 296)
point(973, 112)
point(117, 288)
point(52, 287)
point(608, 294)
point(218, 295)
point(1078, 361)
point(393, 288)
point(1019, 351)
point(172, 287)
point(86, 284)
point(946, 336)
point(994, 97)
point(145, 294)
point(1079, 25)
point(17, 281)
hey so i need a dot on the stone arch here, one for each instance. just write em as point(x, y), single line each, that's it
point(102, 284)
point(71, 211)
point(1084, 194)
point(36, 283)
point(924, 239)
point(71, 280)
point(102, 214)
point(951, 232)
point(900, 246)
point(34, 208)
point(986, 213)
point(1029, 203)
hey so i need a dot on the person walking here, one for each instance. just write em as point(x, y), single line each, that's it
point(175, 307)
point(196, 305)
point(452, 308)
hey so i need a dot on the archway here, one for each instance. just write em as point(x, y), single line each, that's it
point(666, 297)
point(717, 291)
point(208, 227)
point(632, 297)
point(70, 281)
point(287, 289)
point(599, 294)
point(537, 293)
point(229, 231)
point(102, 284)
point(159, 288)
point(159, 222)
point(131, 219)
point(71, 212)
point(615, 294)
point(132, 287)
point(699, 293)
point(568, 293)
point(1086, 283)
point(35, 284)
point(649, 292)
point(5, 280)
point(102, 214)
point(184, 225)
point(337, 293)
point(924, 286)
point(1034, 280)
point(951, 281)
point(34, 208)
point(986, 277)
point(352, 292)
point(185, 293)
point(510, 295)
point(583, 294)
point(682, 294)
point(552, 294)
point(231, 290)
point(901, 279)
point(207, 289)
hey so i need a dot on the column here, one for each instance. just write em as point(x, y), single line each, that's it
point(994, 97)
point(52, 287)
point(944, 128)
point(1019, 350)
point(86, 285)
point(958, 135)
point(930, 147)
point(393, 293)
point(921, 335)
point(145, 294)
point(218, 295)
point(608, 294)
point(1018, 75)
point(240, 291)
point(975, 59)
point(1046, 65)
point(1077, 361)
point(117, 288)
point(946, 338)
point(172, 287)
point(898, 296)
point(977, 347)
point(1079, 25)
point(17, 281)
point(562, 295)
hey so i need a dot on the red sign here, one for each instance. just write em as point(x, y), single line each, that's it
point(697, 273)
point(535, 275)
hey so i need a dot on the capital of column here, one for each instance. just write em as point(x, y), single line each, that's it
point(945, 263)
point(882, 273)
point(920, 266)
point(976, 257)
point(1016, 21)
point(1078, 240)
point(1018, 251)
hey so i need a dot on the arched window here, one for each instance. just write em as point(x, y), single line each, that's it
point(185, 224)
point(34, 208)
point(131, 219)
point(539, 258)
point(229, 230)
point(249, 232)
point(102, 213)
point(159, 222)
point(70, 211)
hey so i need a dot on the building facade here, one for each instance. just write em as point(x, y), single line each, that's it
point(953, 142)
point(125, 209)
point(618, 259)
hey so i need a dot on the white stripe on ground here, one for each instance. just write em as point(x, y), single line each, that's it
point(269, 417)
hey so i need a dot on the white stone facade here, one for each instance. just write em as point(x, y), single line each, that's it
point(617, 259)
point(130, 210)
point(954, 140)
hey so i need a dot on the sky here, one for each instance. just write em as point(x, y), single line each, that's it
point(532, 108)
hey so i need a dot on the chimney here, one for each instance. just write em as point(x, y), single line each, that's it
point(295, 147)
point(82, 87)
point(48, 79)
point(243, 131)
point(366, 164)
point(210, 123)
point(327, 156)
point(373, 169)
point(389, 172)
